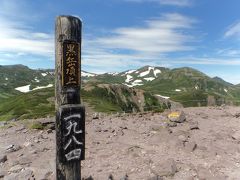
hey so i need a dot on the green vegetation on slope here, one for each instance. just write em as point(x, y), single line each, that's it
point(152, 103)
point(185, 85)
point(105, 93)
point(192, 99)
point(192, 88)
point(13, 76)
point(110, 99)
point(102, 98)
point(34, 104)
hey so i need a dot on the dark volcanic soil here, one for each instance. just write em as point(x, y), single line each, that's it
point(140, 146)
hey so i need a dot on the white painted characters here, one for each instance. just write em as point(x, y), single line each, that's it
point(74, 154)
point(71, 126)
point(71, 135)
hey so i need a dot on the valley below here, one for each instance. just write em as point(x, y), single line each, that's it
point(136, 146)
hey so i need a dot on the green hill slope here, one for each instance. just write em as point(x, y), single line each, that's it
point(102, 98)
point(39, 103)
point(147, 88)
point(185, 85)
point(15, 76)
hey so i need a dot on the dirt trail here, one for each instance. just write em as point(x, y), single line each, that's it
point(134, 147)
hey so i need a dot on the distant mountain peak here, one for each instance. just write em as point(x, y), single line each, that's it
point(16, 66)
point(87, 74)
point(220, 80)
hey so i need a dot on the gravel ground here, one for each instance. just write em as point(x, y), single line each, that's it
point(133, 146)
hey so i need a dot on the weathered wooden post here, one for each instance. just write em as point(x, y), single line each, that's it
point(70, 114)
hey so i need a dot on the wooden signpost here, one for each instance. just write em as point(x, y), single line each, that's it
point(70, 114)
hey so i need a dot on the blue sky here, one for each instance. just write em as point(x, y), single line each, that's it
point(127, 34)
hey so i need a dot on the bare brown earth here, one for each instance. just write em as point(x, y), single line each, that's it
point(134, 147)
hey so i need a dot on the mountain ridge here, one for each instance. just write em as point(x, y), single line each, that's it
point(113, 73)
point(160, 88)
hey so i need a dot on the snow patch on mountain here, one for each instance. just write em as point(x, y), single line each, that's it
point(164, 97)
point(113, 73)
point(142, 74)
point(156, 71)
point(149, 79)
point(128, 85)
point(6, 79)
point(44, 74)
point(129, 78)
point(86, 74)
point(23, 89)
point(130, 71)
point(178, 90)
point(36, 79)
point(133, 84)
point(225, 90)
point(137, 82)
point(42, 87)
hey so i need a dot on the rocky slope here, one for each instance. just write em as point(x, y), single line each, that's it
point(203, 145)
point(102, 98)
point(186, 85)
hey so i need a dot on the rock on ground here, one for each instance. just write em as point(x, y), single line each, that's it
point(3, 158)
point(133, 146)
point(177, 116)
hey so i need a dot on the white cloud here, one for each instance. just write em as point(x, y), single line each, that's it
point(229, 52)
point(151, 44)
point(180, 3)
point(176, 2)
point(233, 31)
point(103, 61)
point(206, 61)
point(161, 35)
point(148, 44)
point(18, 38)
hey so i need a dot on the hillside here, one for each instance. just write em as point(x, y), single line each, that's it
point(27, 93)
point(120, 98)
point(15, 79)
point(100, 98)
point(38, 103)
point(185, 85)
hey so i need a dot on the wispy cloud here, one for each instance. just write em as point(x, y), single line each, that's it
point(180, 3)
point(19, 38)
point(176, 2)
point(233, 31)
point(161, 35)
point(229, 52)
point(206, 61)
point(152, 41)
point(100, 60)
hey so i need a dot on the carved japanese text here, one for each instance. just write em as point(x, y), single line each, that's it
point(71, 64)
point(73, 133)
